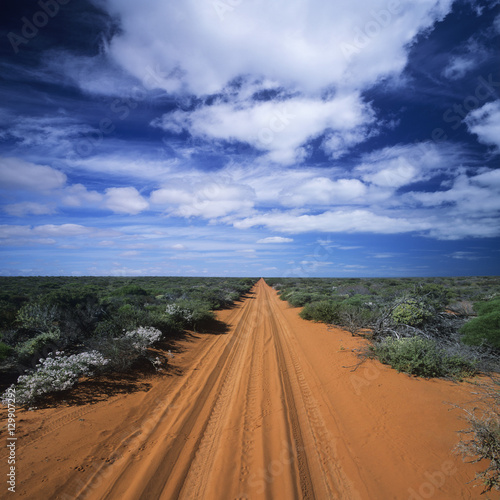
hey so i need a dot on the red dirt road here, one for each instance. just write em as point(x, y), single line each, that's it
point(267, 411)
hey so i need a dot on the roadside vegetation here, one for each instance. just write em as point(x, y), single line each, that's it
point(435, 327)
point(54, 330)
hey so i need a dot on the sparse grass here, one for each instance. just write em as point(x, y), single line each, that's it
point(484, 436)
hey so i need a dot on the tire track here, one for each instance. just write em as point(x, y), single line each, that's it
point(322, 448)
point(197, 478)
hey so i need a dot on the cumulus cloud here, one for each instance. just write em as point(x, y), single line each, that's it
point(215, 198)
point(485, 123)
point(403, 164)
point(280, 128)
point(126, 200)
point(78, 195)
point(19, 174)
point(305, 45)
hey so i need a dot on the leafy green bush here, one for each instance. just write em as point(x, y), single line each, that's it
point(36, 317)
point(5, 350)
point(486, 327)
point(422, 357)
point(34, 346)
point(325, 311)
point(410, 312)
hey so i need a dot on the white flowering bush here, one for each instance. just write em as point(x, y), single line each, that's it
point(179, 314)
point(125, 350)
point(143, 337)
point(55, 373)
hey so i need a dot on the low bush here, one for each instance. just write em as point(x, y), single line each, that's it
point(324, 311)
point(122, 352)
point(421, 357)
point(5, 350)
point(410, 312)
point(35, 346)
point(485, 329)
point(189, 314)
point(56, 373)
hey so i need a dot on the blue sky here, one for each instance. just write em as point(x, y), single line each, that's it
point(250, 138)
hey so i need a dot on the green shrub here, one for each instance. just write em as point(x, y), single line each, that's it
point(324, 311)
point(36, 317)
point(422, 357)
point(486, 327)
point(5, 350)
point(411, 312)
point(35, 345)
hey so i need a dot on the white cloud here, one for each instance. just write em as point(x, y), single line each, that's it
point(191, 197)
point(348, 221)
point(19, 174)
point(485, 123)
point(280, 128)
point(400, 165)
point(275, 239)
point(459, 66)
point(63, 230)
point(77, 195)
point(324, 191)
point(126, 200)
point(468, 195)
point(28, 208)
point(49, 234)
point(299, 44)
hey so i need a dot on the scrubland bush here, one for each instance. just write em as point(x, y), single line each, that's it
point(325, 311)
point(484, 432)
point(410, 312)
point(422, 357)
point(189, 314)
point(485, 329)
point(29, 348)
point(56, 373)
point(123, 351)
point(5, 350)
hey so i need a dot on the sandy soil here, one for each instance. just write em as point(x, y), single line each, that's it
point(273, 409)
